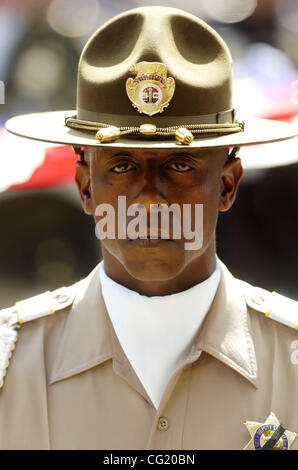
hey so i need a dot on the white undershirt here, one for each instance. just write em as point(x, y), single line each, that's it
point(156, 333)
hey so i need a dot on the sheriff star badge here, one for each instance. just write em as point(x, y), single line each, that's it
point(269, 435)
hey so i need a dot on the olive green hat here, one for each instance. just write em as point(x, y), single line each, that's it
point(153, 77)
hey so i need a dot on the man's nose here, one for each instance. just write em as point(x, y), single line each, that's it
point(151, 192)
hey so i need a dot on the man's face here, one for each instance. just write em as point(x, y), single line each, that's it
point(148, 177)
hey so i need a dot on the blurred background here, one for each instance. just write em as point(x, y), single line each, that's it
point(46, 240)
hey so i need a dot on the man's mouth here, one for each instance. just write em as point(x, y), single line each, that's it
point(150, 242)
point(155, 236)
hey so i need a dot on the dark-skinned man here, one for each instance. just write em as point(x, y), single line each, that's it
point(160, 347)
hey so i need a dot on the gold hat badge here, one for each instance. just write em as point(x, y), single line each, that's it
point(269, 435)
point(150, 91)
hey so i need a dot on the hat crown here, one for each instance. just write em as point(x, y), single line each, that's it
point(194, 54)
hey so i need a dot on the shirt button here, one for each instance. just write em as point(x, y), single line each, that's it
point(163, 423)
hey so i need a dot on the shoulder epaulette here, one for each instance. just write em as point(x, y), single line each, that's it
point(273, 305)
point(24, 311)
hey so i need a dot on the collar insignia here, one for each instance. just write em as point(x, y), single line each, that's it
point(269, 435)
point(150, 91)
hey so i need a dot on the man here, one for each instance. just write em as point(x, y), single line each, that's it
point(160, 347)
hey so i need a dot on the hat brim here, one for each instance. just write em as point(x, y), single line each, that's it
point(50, 127)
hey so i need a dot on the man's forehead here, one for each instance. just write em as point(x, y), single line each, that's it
point(143, 154)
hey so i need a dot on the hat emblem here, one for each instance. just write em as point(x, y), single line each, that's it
point(150, 91)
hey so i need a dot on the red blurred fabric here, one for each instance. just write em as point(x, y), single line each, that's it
point(58, 168)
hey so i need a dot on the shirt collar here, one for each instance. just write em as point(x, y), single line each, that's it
point(226, 332)
point(86, 339)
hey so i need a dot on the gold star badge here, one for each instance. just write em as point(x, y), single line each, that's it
point(269, 435)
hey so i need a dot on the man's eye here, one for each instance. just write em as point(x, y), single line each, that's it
point(122, 167)
point(180, 166)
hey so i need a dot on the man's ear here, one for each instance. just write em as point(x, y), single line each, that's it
point(82, 180)
point(230, 179)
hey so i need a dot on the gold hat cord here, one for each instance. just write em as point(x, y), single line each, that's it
point(184, 133)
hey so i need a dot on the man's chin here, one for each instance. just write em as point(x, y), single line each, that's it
point(153, 268)
point(160, 261)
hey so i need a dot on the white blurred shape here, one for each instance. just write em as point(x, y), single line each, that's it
point(265, 63)
point(260, 69)
point(229, 11)
point(249, 97)
point(73, 18)
point(19, 158)
point(39, 72)
point(270, 155)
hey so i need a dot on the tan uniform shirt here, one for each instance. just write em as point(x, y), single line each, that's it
point(69, 384)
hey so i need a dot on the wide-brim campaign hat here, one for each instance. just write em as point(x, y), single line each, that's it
point(153, 77)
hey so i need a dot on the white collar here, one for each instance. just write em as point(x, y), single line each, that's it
point(156, 333)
